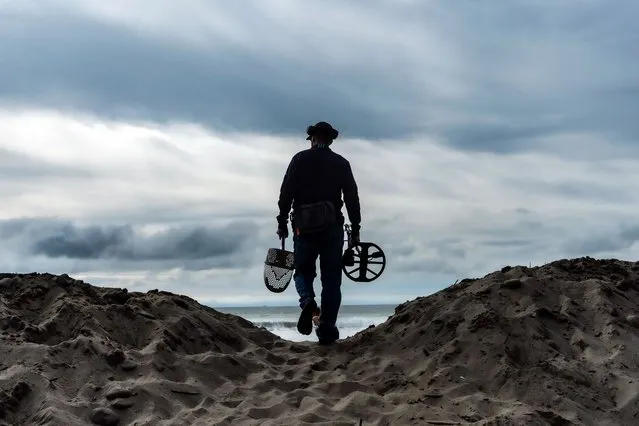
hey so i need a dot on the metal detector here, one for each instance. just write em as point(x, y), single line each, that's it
point(358, 260)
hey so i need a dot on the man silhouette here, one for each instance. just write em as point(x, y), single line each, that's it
point(313, 186)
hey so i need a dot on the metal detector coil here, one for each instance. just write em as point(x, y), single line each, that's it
point(364, 261)
point(278, 269)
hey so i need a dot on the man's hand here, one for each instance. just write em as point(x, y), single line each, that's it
point(282, 232)
point(354, 240)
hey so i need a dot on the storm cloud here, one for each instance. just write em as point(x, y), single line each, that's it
point(116, 72)
point(22, 167)
point(518, 79)
point(144, 143)
point(193, 247)
point(604, 243)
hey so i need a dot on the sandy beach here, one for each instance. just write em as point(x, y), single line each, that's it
point(551, 345)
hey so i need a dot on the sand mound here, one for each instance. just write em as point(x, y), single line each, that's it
point(553, 345)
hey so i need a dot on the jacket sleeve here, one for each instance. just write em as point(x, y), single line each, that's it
point(286, 195)
point(351, 198)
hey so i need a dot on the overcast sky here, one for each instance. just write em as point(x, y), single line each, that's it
point(144, 142)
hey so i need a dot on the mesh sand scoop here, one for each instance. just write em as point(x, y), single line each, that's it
point(278, 269)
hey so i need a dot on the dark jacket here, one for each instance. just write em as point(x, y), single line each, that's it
point(319, 174)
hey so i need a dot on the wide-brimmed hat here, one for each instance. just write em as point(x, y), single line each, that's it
point(321, 128)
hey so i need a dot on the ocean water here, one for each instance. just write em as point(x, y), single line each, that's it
point(282, 320)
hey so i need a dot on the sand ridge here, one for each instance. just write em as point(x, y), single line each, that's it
point(550, 345)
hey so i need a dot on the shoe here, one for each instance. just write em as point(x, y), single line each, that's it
point(326, 337)
point(305, 322)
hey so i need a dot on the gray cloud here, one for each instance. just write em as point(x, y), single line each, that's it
point(496, 137)
point(576, 188)
point(17, 166)
point(509, 242)
point(604, 243)
point(550, 76)
point(556, 74)
point(181, 214)
point(190, 246)
point(430, 266)
point(117, 73)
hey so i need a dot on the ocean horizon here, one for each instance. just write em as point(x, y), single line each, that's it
point(282, 320)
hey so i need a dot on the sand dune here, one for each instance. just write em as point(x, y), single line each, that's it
point(553, 345)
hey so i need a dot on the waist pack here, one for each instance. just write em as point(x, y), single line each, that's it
point(314, 217)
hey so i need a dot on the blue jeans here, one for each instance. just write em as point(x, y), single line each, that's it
point(328, 246)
